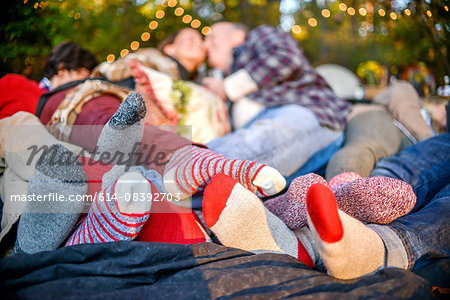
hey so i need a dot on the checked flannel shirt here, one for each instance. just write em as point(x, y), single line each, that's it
point(271, 69)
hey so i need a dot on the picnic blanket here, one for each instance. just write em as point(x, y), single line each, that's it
point(135, 270)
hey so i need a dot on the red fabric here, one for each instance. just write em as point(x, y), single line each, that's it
point(323, 211)
point(215, 198)
point(171, 224)
point(18, 93)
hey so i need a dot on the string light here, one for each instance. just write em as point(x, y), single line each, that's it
point(429, 14)
point(172, 3)
point(381, 12)
point(153, 25)
point(206, 30)
point(393, 16)
point(342, 6)
point(362, 11)
point(312, 22)
point(296, 29)
point(134, 45)
point(187, 19)
point(351, 11)
point(110, 58)
point(195, 23)
point(407, 12)
point(145, 36)
point(77, 16)
point(160, 14)
point(326, 13)
point(178, 11)
point(446, 8)
point(124, 52)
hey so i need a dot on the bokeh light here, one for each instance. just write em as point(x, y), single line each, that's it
point(187, 19)
point(153, 25)
point(145, 36)
point(124, 52)
point(326, 13)
point(196, 23)
point(342, 6)
point(296, 29)
point(178, 11)
point(312, 22)
point(160, 14)
point(134, 45)
point(110, 58)
point(206, 30)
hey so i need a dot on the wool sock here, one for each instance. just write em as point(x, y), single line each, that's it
point(378, 200)
point(345, 177)
point(239, 219)
point(118, 213)
point(190, 168)
point(45, 224)
point(347, 247)
point(291, 206)
point(123, 130)
point(169, 223)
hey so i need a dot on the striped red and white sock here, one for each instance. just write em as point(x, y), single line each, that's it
point(378, 200)
point(239, 219)
point(347, 247)
point(117, 213)
point(169, 223)
point(190, 168)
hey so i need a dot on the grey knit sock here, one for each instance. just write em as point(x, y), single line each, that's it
point(53, 209)
point(120, 135)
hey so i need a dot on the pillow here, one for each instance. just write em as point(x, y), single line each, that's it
point(185, 103)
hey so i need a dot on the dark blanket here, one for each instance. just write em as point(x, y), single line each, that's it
point(135, 270)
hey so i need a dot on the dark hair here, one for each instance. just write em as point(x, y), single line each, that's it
point(69, 56)
point(169, 40)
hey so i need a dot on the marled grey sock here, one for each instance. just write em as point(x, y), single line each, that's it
point(57, 181)
point(123, 130)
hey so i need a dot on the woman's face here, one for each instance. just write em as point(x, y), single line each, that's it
point(187, 46)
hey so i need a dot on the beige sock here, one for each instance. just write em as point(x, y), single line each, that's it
point(347, 247)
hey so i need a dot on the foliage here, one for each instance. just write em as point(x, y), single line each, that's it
point(108, 26)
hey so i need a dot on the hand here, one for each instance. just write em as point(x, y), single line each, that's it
point(216, 86)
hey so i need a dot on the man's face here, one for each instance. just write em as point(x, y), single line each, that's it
point(219, 47)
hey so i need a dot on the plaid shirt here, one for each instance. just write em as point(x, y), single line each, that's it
point(284, 76)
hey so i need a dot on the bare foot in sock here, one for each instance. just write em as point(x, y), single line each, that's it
point(348, 248)
point(46, 224)
point(191, 167)
point(123, 130)
point(378, 200)
point(117, 213)
point(291, 206)
point(239, 219)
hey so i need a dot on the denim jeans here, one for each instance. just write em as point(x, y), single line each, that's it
point(425, 231)
point(283, 137)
